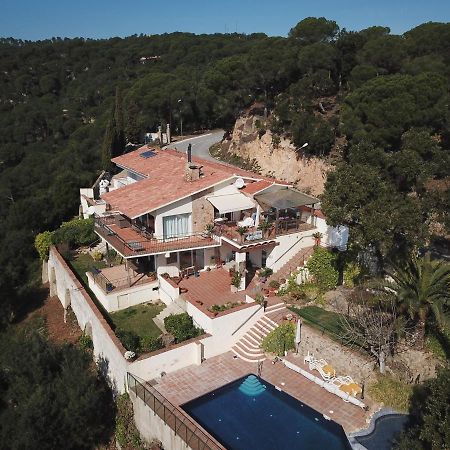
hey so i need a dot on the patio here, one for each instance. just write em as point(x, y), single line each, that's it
point(119, 277)
point(211, 288)
point(191, 382)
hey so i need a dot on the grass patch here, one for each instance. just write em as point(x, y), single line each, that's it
point(327, 321)
point(82, 263)
point(139, 320)
point(392, 392)
point(438, 343)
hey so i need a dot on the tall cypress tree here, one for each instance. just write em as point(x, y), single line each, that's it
point(109, 144)
point(119, 124)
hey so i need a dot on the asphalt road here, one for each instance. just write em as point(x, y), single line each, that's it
point(200, 144)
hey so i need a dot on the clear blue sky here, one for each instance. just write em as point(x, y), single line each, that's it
point(40, 19)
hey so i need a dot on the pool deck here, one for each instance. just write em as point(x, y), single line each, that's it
point(191, 382)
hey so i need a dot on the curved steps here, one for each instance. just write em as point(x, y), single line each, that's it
point(248, 348)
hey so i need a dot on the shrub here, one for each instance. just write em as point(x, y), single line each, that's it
point(126, 432)
point(280, 340)
point(322, 265)
point(85, 342)
point(42, 243)
point(98, 256)
point(392, 392)
point(181, 327)
point(236, 278)
point(265, 272)
point(274, 284)
point(351, 274)
point(129, 339)
point(151, 344)
point(75, 232)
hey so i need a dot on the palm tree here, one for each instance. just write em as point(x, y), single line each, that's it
point(422, 288)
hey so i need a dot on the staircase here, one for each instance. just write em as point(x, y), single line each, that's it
point(298, 260)
point(248, 347)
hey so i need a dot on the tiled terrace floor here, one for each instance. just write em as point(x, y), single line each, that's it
point(212, 288)
point(121, 278)
point(191, 382)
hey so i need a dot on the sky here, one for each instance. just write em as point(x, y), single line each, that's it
point(41, 19)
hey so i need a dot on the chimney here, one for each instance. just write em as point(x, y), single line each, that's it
point(189, 154)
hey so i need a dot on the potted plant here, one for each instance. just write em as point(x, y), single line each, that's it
point(265, 226)
point(242, 231)
point(236, 278)
point(274, 286)
point(317, 237)
point(209, 228)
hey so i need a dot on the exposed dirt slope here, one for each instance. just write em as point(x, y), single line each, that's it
point(309, 174)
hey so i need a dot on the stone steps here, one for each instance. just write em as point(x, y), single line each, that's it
point(248, 348)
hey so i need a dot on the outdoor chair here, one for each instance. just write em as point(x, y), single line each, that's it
point(346, 384)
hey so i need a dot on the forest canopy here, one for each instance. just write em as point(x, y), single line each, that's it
point(389, 98)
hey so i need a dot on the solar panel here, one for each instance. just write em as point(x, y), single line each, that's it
point(147, 154)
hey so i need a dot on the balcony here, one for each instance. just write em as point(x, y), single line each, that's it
point(278, 227)
point(131, 241)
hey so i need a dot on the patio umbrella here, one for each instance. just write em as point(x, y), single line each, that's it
point(298, 333)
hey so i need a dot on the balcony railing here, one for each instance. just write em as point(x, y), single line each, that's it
point(194, 437)
point(278, 227)
point(131, 242)
point(108, 285)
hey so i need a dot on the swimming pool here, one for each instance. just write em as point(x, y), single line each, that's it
point(250, 413)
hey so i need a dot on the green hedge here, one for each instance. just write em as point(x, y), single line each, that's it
point(280, 340)
point(74, 233)
point(181, 327)
point(322, 265)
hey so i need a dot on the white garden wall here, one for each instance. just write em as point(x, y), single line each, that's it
point(119, 299)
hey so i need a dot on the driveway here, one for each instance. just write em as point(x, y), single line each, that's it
point(200, 144)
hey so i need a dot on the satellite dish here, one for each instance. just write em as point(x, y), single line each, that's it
point(239, 183)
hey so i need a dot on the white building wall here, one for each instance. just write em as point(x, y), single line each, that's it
point(289, 245)
point(124, 298)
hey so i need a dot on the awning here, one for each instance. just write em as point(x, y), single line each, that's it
point(231, 202)
point(283, 197)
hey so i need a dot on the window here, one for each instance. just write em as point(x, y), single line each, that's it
point(175, 226)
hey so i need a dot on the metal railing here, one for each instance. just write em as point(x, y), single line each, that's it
point(194, 437)
point(152, 244)
point(246, 320)
point(108, 285)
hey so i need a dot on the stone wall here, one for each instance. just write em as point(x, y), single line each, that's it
point(308, 174)
point(202, 211)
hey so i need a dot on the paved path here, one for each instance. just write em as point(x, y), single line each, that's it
point(200, 144)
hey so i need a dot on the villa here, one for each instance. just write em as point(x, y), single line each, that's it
point(175, 217)
point(200, 236)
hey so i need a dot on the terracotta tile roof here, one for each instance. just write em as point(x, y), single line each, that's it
point(257, 186)
point(164, 182)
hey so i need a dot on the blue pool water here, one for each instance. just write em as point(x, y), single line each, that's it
point(252, 414)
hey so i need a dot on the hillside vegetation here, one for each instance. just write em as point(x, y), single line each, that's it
point(385, 96)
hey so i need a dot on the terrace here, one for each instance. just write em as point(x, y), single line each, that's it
point(131, 240)
point(120, 277)
point(182, 386)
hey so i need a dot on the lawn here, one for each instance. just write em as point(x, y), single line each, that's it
point(327, 321)
point(82, 263)
point(138, 319)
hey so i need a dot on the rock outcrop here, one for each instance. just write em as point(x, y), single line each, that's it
point(281, 161)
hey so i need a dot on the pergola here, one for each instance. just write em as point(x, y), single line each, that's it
point(284, 197)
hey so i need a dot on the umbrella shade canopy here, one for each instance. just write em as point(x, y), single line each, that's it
point(283, 197)
point(298, 332)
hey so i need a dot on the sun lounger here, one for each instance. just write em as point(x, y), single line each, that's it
point(346, 384)
point(326, 370)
